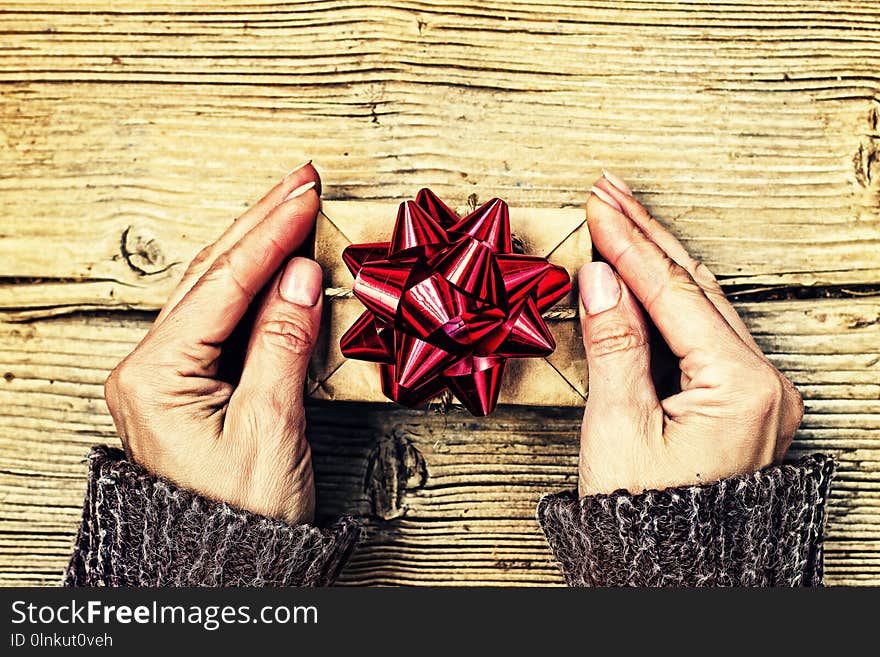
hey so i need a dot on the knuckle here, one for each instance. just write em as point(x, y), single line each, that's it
point(293, 334)
point(792, 415)
point(768, 392)
point(705, 278)
point(118, 378)
point(614, 338)
point(201, 259)
point(112, 379)
point(674, 278)
point(221, 266)
point(223, 271)
point(680, 277)
point(792, 394)
point(799, 404)
point(111, 384)
point(126, 375)
point(795, 402)
point(122, 383)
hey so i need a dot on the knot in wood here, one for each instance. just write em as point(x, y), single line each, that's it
point(142, 251)
point(394, 467)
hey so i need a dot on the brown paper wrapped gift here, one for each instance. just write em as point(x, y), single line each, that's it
point(560, 235)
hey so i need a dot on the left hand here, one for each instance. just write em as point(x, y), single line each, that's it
point(240, 442)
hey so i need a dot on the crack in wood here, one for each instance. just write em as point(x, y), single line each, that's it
point(744, 291)
point(55, 280)
point(867, 160)
point(799, 292)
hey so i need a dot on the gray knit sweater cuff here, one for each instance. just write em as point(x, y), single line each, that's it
point(760, 529)
point(141, 530)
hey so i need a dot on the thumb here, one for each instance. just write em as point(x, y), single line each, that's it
point(621, 397)
point(283, 336)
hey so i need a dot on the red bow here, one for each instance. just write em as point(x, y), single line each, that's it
point(448, 302)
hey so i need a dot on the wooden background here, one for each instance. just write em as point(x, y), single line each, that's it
point(132, 132)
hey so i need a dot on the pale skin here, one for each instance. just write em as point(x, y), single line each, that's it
point(243, 443)
point(241, 437)
point(735, 413)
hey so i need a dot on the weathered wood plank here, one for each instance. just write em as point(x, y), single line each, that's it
point(753, 130)
point(130, 136)
point(473, 519)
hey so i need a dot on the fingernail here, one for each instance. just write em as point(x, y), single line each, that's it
point(607, 198)
point(299, 191)
point(301, 282)
point(297, 168)
point(600, 290)
point(617, 181)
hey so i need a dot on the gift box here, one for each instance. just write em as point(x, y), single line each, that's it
point(559, 235)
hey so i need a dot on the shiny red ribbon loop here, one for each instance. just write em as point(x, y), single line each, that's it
point(448, 302)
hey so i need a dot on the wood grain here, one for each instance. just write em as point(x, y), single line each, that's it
point(751, 129)
point(131, 134)
point(472, 518)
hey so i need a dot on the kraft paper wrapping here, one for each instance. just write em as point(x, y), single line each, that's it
point(560, 235)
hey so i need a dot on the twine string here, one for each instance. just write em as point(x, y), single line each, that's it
point(556, 314)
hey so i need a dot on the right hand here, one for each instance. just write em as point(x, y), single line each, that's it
point(735, 413)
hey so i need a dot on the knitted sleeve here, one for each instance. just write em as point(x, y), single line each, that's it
point(141, 530)
point(760, 529)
